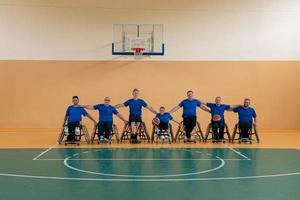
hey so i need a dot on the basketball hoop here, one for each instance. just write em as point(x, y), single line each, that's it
point(138, 52)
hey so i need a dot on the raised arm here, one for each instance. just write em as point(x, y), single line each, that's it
point(151, 109)
point(233, 107)
point(203, 107)
point(91, 118)
point(119, 105)
point(175, 121)
point(174, 109)
point(202, 102)
point(122, 118)
point(89, 107)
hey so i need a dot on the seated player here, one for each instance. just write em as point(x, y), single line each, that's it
point(73, 116)
point(164, 119)
point(189, 114)
point(106, 112)
point(217, 117)
point(135, 112)
point(246, 116)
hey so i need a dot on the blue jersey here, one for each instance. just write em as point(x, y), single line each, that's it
point(135, 106)
point(74, 113)
point(245, 114)
point(165, 118)
point(218, 109)
point(189, 107)
point(106, 112)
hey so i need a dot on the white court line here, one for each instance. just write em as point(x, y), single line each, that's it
point(150, 180)
point(144, 176)
point(138, 159)
point(38, 156)
point(237, 152)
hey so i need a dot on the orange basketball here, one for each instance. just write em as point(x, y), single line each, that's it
point(155, 121)
point(216, 118)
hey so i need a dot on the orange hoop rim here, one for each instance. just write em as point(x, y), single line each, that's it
point(138, 49)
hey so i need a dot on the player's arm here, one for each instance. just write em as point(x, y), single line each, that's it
point(151, 109)
point(175, 121)
point(255, 121)
point(232, 107)
point(254, 117)
point(89, 107)
point(91, 118)
point(202, 102)
point(174, 109)
point(122, 118)
point(65, 120)
point(121, 105)
point(203, 107)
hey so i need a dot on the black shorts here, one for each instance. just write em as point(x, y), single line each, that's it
point(163, 126)
point(135, 118)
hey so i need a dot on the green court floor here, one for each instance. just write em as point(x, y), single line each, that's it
point(158, 173)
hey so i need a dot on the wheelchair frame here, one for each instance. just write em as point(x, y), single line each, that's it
point(114, 132)
point(210, 131)
point(83, 132)
point(252, 131)
point(156, 130)
point(196, 133)
point(142, 132)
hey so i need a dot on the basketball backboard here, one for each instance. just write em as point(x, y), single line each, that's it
point(127, 37)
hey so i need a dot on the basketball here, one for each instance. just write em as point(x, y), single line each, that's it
point(155, 121)
point(216, 118)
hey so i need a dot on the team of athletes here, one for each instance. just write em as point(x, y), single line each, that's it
point(75, 112)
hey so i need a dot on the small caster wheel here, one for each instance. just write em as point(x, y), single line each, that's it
point(239, 141)
point(224, 142)
point(66, 144)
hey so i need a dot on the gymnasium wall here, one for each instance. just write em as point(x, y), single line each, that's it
point(194, 29)
point(51, 50)
point(36, 93)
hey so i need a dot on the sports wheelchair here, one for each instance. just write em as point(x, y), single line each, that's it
point(142, 133)
point(252, 131)
point(162, 135)
point(114, 133)
point(196, 134)
point(80, 131)
point(209, 132)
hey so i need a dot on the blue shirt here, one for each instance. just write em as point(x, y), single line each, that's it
point(106, 112)
point(218, 109)
point(189, 107)
point(245, 114)
point(165, 118)
point(135, 106)
point(74, 113)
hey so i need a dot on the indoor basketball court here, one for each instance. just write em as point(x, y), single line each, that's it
point(150, 99)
